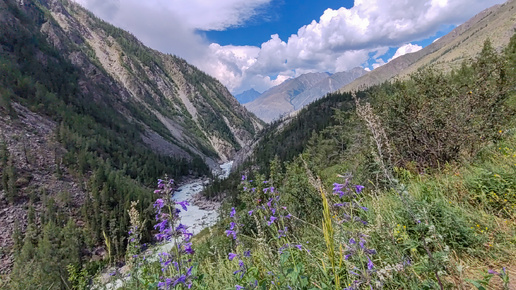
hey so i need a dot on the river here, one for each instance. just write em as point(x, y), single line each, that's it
point(195, 218)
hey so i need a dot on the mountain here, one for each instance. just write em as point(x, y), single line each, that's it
point(247, 96)
point(182, 110)
point(89, 119)
point(293, 94)
point(463, 43)
point(277, 100)
point(327, 85)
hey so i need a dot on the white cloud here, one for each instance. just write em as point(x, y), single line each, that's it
point(407, 48)
point(170, 25)
point(345, 38)
point(340, 40)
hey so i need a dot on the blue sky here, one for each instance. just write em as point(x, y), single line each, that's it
point(261, 43)
point(281, 17)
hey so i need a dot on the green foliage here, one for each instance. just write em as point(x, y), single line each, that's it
point(435, 118)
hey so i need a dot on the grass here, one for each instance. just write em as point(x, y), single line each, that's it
point(443, 229)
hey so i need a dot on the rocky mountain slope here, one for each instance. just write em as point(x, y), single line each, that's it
point(497, 23)
point(89, 116)
point(295, 93)
point(193, 113)
point(327, 85)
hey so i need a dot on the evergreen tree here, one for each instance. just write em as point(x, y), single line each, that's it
point(10, 173)
point(50, 271)
point(70, 245)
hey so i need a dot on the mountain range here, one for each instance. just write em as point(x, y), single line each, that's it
point(295, 93)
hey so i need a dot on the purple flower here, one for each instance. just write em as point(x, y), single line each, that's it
point(243, 177)
point(250, 212)
point(188, 249)
point(299, 247)
point(247, 253)
point(181, 279)
point(370, 264)
point(233, 212)
point(183, 204)
point(159, 203)
point(352, 241)
point(492, 272)
point(231, 225)
point(231, 233)
point(238, 287)
point(231, 256)
point(181, 228)
point(359, 188)
point(161, 225)
point(272, 219)
point(157, 191)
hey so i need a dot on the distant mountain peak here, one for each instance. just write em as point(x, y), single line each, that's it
point(295, 93)
point(247, 96)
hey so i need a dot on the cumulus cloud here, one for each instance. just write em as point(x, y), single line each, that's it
point(170, 25)
point(346, 38)
point(407, 48)
point(340, 40)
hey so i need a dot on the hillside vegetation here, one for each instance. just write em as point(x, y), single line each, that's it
point(89, 117)
point(410, 185)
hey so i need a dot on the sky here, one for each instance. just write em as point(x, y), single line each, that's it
point(261, 43)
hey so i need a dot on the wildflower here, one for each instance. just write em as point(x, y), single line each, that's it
point(243, 177)
point(231, 233)
point(247, 253)
point(359, 188)
point(231, 256)
point(493, 272)
point(250, 212)
point(159, 203)
point(370, 264)
point(238, 287)
point(299, 247)
point(183, 204)
point(233, 212)
point(272, 219)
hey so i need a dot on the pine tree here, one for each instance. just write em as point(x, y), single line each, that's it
point(50, 272)
point(70, 245)
point(10, 173)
